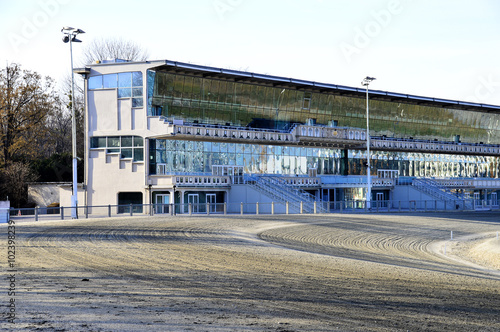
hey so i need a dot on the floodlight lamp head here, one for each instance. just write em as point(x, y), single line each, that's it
point(367, 80)
point(65, 39)
point(72, 31)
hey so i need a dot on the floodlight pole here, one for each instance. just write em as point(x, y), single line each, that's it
point(366, 81)
point(70, 36)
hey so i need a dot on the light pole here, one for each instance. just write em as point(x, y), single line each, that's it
point(278, 108)
point(70, 36)
point(366, 81)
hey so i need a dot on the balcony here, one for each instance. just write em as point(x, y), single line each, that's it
point(190, 181)
point(316, 135)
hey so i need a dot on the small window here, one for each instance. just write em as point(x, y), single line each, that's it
point(126, 153)
point(113, 141)
point(137, 92)
point(137, 102)
point(98, 142)
point(136, 78)
point(126, 141)
point(138, 141)
point(124, 93)
point(139, 154)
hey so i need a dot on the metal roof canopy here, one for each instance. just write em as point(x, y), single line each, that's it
point(283, 82)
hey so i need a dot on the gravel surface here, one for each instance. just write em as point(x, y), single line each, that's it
point(395, 272)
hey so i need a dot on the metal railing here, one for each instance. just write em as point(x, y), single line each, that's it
point(258, 208)
point(277, 188)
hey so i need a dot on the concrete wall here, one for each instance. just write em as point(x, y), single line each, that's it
point(109, 175)
point(44, 194)
point(249, 196)
point(409, 193)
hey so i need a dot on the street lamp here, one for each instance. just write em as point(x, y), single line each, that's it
point(366, 81)
point(70, 36)
point(278, 108)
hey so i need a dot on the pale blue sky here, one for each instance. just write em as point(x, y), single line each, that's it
point(440, 48)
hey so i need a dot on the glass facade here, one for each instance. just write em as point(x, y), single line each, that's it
point(222, 102)
point(179, 156)
point(214, 101)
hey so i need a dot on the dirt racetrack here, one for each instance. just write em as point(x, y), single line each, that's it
point(342, 272)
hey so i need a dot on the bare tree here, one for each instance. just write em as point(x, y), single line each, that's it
point(113, 48)
point(26, 100)
point(15, 177)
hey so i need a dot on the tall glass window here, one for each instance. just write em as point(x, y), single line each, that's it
point(215, 101)
point(185, 156)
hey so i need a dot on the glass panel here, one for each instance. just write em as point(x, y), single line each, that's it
point(136, 78)
point(95, 82)
point(188, 88)
point(113, 150)
point(124, 93)
point(161, 144)
point(126, 141)
point(197, 81)
point(98, 142)
point(307, 101)
point(138, 141)
point(137, 92)
point(161, 156)
point(139, 154)
point(137, 102)
point(109, 81)
point(124, 80)
point(126, 153)
point(113, 141)
point(178, 85)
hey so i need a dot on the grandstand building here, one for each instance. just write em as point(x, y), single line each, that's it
point(164, 132)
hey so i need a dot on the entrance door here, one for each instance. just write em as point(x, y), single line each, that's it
point(194, 200)
point(477, 199)
point(380, 200)
point(162, 203)
point(211, 200)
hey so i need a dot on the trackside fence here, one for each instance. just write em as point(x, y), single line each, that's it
point(259, 208)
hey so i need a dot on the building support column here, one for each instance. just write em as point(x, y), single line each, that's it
point(344, 163)
point(181, 209)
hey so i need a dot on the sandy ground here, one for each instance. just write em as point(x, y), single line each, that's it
point(257, 273)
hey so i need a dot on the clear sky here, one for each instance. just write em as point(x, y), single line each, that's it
point(441, 48)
